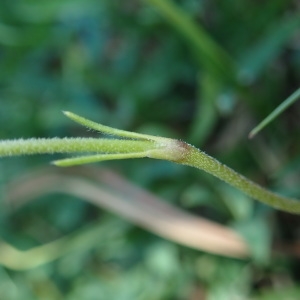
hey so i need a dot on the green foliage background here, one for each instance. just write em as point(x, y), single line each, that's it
point(202, 71)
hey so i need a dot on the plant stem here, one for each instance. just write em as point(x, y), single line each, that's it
point(198, 159)
point(137, 145)
point(71, 145)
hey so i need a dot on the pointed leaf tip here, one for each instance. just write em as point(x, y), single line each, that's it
point(65, 112)
point(251, 135)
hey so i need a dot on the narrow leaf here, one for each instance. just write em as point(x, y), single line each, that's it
point(282, 107)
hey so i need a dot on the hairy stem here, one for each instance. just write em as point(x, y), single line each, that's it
point(137, 145)
point(71, 145)
point(198, 159)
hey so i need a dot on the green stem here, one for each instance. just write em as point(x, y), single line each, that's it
point(71, 145)
point(137, 146)
point(198, 159)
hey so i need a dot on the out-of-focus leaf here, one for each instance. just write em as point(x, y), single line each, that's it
point(205, 116)
point(271, 43)
point(256, 231)
point(141, 208)
point(209, 55)
point(284, 292)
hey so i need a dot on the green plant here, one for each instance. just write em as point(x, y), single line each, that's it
point(135, 145)
point(277, 111)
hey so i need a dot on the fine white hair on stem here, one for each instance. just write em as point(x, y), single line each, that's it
point(128, 145)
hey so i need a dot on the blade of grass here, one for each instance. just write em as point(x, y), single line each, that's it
point(208, 53)
point(206, 114)
point(80, 240)
point(268, 47)
point(282, 107)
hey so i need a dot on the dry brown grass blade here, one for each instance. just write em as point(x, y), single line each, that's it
point(110, 191)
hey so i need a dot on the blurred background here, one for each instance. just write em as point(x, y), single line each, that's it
point(202, 71)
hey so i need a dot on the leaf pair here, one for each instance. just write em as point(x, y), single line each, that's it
point(126, 145)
